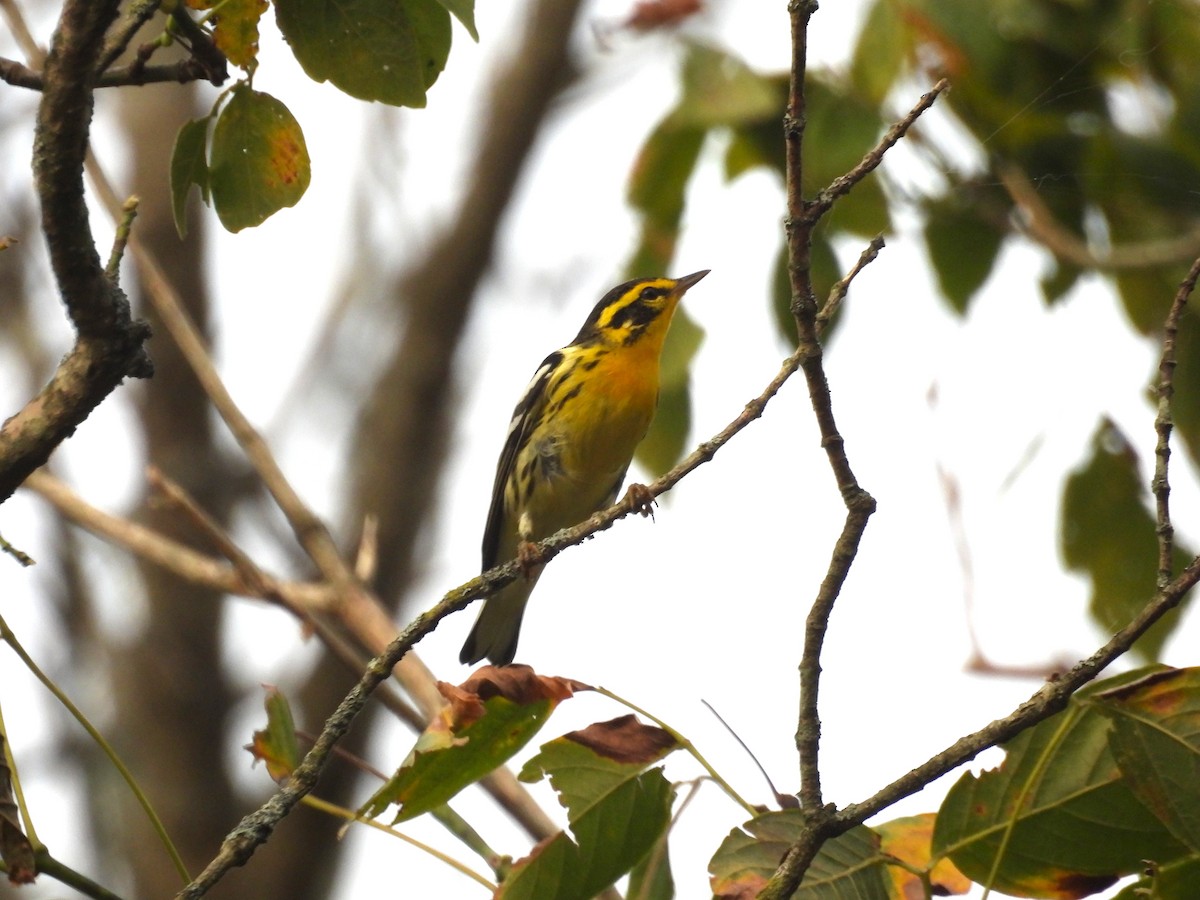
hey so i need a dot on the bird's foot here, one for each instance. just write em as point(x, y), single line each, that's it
point(529, 557)
point(640, 500)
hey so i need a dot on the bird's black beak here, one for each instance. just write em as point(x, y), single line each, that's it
point(687, 281)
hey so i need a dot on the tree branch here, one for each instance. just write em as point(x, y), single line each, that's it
point(109, 343)
point(1164, 423)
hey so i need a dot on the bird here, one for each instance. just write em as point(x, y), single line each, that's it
point(570, 442)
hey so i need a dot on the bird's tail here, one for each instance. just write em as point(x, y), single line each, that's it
point(495, 632)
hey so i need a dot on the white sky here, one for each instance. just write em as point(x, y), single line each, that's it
point(719, 585)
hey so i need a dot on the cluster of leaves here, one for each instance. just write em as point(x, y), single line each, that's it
point(1100, 791)
point(247, 156)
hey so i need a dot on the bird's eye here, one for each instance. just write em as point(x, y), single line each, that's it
point(649, 293)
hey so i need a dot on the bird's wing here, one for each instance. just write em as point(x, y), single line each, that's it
point(525, 416)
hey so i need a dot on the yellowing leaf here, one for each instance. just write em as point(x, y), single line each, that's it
point(259, 162)
point(235, 31)
point(276, 744)
point(909, 839)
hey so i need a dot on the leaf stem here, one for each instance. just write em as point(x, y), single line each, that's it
point(7, 636)
point(686, 745)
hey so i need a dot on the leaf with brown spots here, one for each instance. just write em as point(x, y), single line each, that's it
point(488, 718)
point(259, 162)
point(1057, 819)
point(909, 840)
point(1156, 741)
point(850, 865)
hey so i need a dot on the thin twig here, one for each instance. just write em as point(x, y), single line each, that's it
point(137, 14)
point(1040, 224)
point(183, 561)
point(1163, 424)
point(256, 580)
point(842, 286)
point(129, 211)
point(841, 185)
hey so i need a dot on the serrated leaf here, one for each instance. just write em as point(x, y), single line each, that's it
point(850, 865)
point(276, 744)
point(464, 11)
point(189, 166)
point(1056, 820)
point(586, 766)
point(259, 162)
point(487, 719)
point(611, 836)
point(1156, 741)
point(963, 249)
point(391, 51)
point(1108, 534)
point(235, 31)
point(617, 810)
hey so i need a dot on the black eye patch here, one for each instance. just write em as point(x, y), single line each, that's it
point(651, 293)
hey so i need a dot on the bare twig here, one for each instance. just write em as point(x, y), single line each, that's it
point(1040, 224)
point(841, 185)
point(128, 213)
point(255, 579)
point(1164, 423)
point(175, 557)
point(20, 75)
point(840, 287)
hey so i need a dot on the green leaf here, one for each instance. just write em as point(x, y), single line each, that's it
point(259, 162)
point(235, 31)
point(850, 865)
point(491, 716)
point(720, 89)
point(464, 11)
point(651, 878)
point(1156, 741)
point(1108, 534)
point(1174, 881)
point(386, 50)
point(189, 166)
point(664, 443)
point(962, 247)
point(656, 189)
point(880, 51)
point(617, 811)
point(825, 271)
point(1056, 819)
point(276, 744)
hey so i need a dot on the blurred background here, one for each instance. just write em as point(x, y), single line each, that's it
point(989, 373)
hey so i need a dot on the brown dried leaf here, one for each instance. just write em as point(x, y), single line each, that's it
point(625, 740)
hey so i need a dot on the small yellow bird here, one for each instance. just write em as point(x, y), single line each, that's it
point(570, 442)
